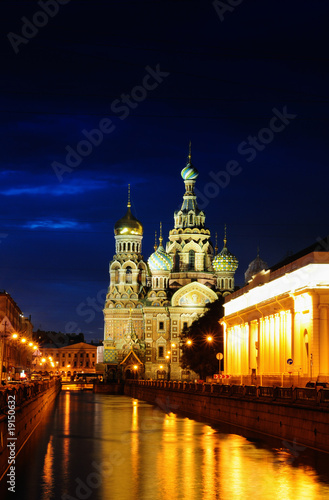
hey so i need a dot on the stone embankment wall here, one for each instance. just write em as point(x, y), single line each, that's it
point(298, 415)
point(21, 409)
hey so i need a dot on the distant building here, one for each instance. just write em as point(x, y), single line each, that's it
point(15, 339)
point(276, 328)
point(69, 360)
point(149, 303)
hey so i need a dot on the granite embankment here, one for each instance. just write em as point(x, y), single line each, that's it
point(298, 415)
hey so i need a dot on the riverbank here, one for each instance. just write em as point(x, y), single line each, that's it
point(21, 409)
point(298, 415)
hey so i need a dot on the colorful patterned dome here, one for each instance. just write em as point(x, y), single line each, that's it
point(160, 260)
point(225, 262)
point(189, 173)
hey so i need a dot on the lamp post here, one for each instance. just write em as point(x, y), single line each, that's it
point(169, 359)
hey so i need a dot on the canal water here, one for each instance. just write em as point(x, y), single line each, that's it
point(100, 447)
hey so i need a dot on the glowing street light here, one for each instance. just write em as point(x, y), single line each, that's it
point(209, 338)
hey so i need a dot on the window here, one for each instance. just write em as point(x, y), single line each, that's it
point(87, 354)
point(160, 351)
point(87, 363)
point(57, 354)
point(75, 355)
point(69, 355)
point(93, 354)
point(81, 355)
point(191, 259)
point(75, 364)
point(184, 324)
point(128, 275)
point(63, 355)
point(161, 325)
point(63, 364)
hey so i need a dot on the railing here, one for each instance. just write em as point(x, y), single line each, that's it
point(23, 392)
point(282, 395)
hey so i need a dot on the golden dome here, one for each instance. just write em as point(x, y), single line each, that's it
point(128, 225)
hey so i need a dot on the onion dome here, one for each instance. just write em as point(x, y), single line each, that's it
point(225, 261)
point(160, 260)
point(128, 224)
point(189, 173)
point(255, 267)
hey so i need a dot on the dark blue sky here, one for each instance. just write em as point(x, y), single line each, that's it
point(247, 85)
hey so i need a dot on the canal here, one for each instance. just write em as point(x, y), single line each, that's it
point(96, 446)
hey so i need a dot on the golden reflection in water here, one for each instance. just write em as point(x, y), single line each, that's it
point(209, 479)
point(252, 473)
point(167, 459)
point(134, 445)
point(188, 462)
point(65, 463)
point(48, 470)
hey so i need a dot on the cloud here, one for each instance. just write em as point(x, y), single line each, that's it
point(55, 224)
point(71, 188)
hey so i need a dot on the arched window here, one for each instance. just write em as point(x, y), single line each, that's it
point(191, 260)
point(128, 247)
point(128, 275)
point(133, 247)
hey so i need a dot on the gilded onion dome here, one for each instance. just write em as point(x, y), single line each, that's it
point(160, 260)
point(225, 261)
point(128, 224)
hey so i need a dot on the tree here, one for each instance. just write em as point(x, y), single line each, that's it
point(203, 340)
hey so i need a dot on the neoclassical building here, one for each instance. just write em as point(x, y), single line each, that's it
point(276, 328)
point(149, 303)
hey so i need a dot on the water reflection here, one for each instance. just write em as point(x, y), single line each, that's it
point(99, 446)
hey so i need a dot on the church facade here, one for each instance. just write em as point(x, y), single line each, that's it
point(148, 304)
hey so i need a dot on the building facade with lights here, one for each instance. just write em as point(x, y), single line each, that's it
point(149, 303)
point(16, 346)
point(69, 360)
point(276, 328)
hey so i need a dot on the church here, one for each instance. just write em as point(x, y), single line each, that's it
point(148, 304)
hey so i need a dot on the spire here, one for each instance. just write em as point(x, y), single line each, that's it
point(160, 237)
point(216, 246)
point(128, 204)
point(189, 153)
point(225, 239)
point(155, 242)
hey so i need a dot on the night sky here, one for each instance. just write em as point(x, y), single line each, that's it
point(247, 84)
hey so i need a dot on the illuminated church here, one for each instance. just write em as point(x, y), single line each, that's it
point(149, 303)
